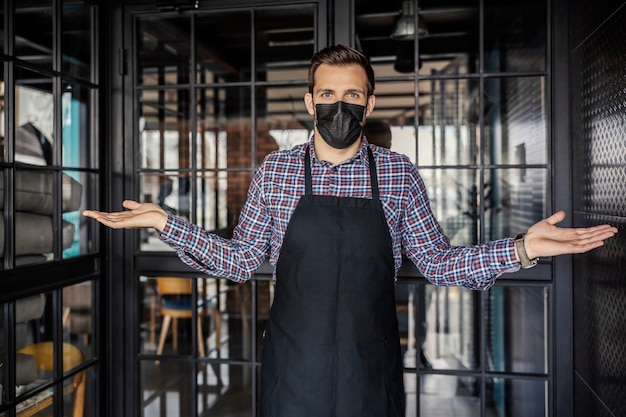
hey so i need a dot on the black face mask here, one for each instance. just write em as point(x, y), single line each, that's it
point(339, 123)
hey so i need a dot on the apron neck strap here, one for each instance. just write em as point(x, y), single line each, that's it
point(308, 182)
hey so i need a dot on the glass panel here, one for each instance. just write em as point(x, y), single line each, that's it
point(238, 184)
point(516, 397)
point(284, 32)
point(449, 120)
point(237, 321)
point(283, 120)
point(454, 200)
point(166, 388)
point(170, 190)
point(515, 199)
point(448, 37)
point(411, 306)
point(77, 39)
point(34, 46)
point(226, 113)
point(79, 393)
point(517, 327)
point(395, 103)
point(164, 50)
point(515, 121)
point(164, 129)
point(34, 118)
point(224, 390)
point(35, 194)
point(3, 138)
point(166, 315)
point(34, 350)
point(74, 185)
point(78, 131)
point(78, 313)
point(223, 47)
point(212, 211)
point(515, 35)
point(449, 396)
point(453, 324)
point(2, 32)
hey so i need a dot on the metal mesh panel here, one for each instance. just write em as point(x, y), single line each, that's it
point(599, 145)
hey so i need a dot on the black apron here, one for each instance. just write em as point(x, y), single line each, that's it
point(331, 346)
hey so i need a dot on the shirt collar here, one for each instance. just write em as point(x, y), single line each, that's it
point(360, 157)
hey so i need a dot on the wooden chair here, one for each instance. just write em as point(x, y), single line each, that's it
point(44, 359)
point(176, 303)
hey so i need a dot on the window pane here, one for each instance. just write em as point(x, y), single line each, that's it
point(453, 323)
point(515, 35)
point(76, 39)
point(449, 122)
point(166, 388)
point(34, 46)
point(78, 314)
point(223, 42)
point(78, 131)
point(216, 379)
point(517, 326)
point(447, 396)
point(35, 193)
point(212, 209)
point(448, 36)
point(515, 121)
point(516, 397)
point(164, 50)
point(226, 113)
point(515, 199)
point(284, 32)
point(283, 120)
point(165, 129)
point(454, 200)
point(34, 118)
point(74, 188)
point(34, 349)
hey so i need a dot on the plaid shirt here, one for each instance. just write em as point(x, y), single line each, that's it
point(276, 189)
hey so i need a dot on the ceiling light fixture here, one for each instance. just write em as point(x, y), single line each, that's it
point(405, 27)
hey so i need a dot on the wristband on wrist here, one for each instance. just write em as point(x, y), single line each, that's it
point(521, 252)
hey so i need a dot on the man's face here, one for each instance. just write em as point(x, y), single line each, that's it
point(339, 83)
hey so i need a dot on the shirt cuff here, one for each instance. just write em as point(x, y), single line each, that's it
point(175, 231)
point(503, 259)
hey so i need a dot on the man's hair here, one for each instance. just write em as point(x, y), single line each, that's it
point(341, 55)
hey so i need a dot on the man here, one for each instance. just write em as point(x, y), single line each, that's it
point(338, 211)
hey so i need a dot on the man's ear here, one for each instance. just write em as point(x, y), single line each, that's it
point(369, 108)
point(308, 102)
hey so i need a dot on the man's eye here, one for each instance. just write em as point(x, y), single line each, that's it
point(326, 94)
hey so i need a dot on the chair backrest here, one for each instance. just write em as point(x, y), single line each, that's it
point(44, 351)
point(174, 285)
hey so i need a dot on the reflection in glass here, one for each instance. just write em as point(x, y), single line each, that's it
point(448, 129)
point(233, 380)
point(164, 135)
point(516, 397)
point(218, 58)
point(164, 50)
point(455, 202)
point(78, 313)
point(284, 121)
point(515, 116)
point(515, 35)
point(77, 39)
point(517, 329)
point(34, 46)
point(78, 133)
